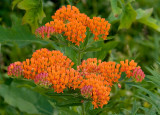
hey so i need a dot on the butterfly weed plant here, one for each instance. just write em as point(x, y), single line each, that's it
point(92, 79)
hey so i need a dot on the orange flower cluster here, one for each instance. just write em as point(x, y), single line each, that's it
point(69, 22)
point(128, 67)
point(106, 71)
point(93, 77)
point(58, 26)
point(99, 27)
point(75, 32)
point(65, 13)
point(53, 63)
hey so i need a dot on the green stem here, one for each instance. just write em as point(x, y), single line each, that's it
point(79, 58)
point(83, 108)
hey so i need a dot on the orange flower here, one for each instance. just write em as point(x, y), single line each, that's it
point(128, 67)
point(58, 26)
point(93, 77)
point(75, 32)
point(64, 13)
point(42, 61)
point(99, 27)
point(80, 17)
point(99, 92)
point(108, 71)
point(51, 68)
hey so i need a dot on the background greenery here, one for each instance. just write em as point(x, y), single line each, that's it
point(134, 34)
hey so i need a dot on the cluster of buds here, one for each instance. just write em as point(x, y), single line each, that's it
point(42, 80)
point(138, 74)
point(45, 32)
point(15, 69)
point(86, 91)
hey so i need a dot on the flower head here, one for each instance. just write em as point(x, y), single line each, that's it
point(58, 26)
point(44, 31)
point(75, 32)
point(138, 74)
point(86, 91)
point(65, 13)
point(14, 69)
point(99, 27)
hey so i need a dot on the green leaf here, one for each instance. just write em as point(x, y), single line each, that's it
point(106, 47)
point(144, 18)
point(14, 3)
point(34, 12)
point(66, 99)
point(143, 14)
point(66, 111)
point(16, 33)
point(116, 10)
point(128, 17)
point(134, 108)
point(150, 100)
point(26, 100)
point(92, 49)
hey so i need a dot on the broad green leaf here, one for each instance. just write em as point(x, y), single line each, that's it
point(106, 47)
point(66, 99)
point(116, 10)
point(143, 16)
point(14, 3)
point(26, 100)
point(34, 12)
point(128, 16)
point(20, 34)
point(16, 33)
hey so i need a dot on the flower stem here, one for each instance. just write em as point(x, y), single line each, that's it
point(79, 58)
point(83, 108)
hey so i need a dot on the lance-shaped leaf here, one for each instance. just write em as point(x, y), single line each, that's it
point(144, 17)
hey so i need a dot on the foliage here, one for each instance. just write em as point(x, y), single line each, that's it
point(34, 12)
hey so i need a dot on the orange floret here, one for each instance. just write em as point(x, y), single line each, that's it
point(58, 26)
point(80, 17)
point(108, 71)
point(42, 60)
point(64, 13)
point(48, 67)
point(99, 27)
point(99, 92)
point(128, 67)
point(75, 32)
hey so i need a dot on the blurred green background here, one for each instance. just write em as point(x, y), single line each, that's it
point(134, 33)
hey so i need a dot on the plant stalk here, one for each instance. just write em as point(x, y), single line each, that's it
point(83, 108)
point(79, 57)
